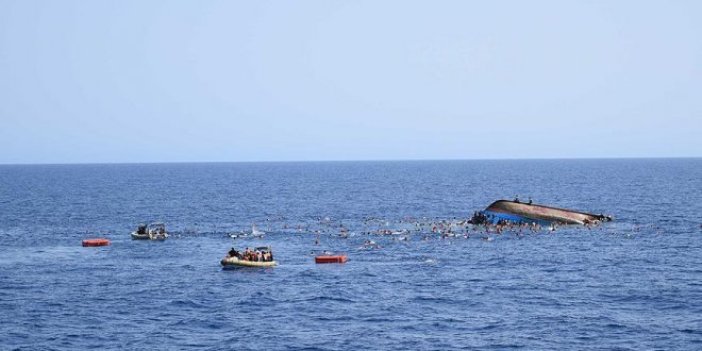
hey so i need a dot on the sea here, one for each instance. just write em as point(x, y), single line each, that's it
point(631, 284)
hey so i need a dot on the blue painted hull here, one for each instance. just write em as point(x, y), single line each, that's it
point(518, 212)
point(494, 217)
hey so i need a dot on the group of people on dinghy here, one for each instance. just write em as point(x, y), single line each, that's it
point(252, 255)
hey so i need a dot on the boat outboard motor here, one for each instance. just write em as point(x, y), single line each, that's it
point(141, 229)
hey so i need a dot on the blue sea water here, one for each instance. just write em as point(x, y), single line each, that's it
point(632, 284)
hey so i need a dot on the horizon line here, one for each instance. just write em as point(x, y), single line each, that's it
point(354, 160)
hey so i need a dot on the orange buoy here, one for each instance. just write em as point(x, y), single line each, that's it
point(95, 242)
point(330, 259)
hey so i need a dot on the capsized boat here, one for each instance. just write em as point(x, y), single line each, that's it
point(521, 212)
point(235, 259)
point(153, 231)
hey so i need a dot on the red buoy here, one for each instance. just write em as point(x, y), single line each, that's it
point(330, 259)
point(95, 242)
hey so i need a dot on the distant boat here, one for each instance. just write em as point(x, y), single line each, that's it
point(515, 211)
point(153, 231)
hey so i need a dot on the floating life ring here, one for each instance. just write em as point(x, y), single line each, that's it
point(95, 242)
point(331, 259)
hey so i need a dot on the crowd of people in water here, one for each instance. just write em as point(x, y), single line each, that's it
point(481, 224)
point(444, 228)
point(255, 255)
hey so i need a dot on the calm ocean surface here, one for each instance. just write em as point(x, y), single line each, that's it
point(634, 284)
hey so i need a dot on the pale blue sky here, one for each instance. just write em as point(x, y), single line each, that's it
point(162, 81)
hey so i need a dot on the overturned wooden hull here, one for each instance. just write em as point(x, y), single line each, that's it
point(527, 213)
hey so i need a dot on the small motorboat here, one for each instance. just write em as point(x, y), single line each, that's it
point(260, 257)
point(153, 231)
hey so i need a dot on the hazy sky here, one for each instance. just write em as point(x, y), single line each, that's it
point(159, 81)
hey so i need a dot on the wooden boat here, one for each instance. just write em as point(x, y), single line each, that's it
point(515, 211)
point(153, 231)
point(330, 259)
